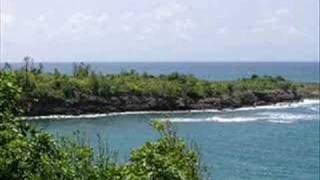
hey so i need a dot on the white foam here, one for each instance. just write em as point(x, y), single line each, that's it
point(183, 119)
point(284, 105)
point(265, 116)
point(235, 119)
point(213, 119)
point(280, 121)
point(287, 116)
point(316, 109)
point(290, 118)
point(92, 116)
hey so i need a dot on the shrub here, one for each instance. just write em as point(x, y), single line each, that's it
point(167, 158)
point(9, 93)
point(27, 153)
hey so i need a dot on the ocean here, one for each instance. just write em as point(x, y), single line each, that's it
point(269, 142)
point(217, 71)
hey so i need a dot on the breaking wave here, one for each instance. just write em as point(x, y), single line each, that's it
point(272, 117)
point(213, 119)
point(279, 113)
point(285, 105)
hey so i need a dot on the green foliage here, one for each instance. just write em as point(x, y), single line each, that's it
point(264, 83)
point(81, 70)
point(167, 158)
point(27, 153)
point(173, 86)
point(9, 93)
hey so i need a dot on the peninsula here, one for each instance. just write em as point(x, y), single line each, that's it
point(86, 92)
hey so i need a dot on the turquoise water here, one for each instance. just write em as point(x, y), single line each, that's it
point(295, 71)
point(271, 142)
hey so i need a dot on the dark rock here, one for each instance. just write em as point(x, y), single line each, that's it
point(264, 96)
point(248, 99)
point(82, 103)
point(261, 103)
point(280, 96)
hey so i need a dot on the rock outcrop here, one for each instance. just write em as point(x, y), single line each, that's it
point(85, 104)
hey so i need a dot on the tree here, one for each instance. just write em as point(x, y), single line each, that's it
point(9, 93)
point(167, 158)
point(254, 76)
point(56, 73)
point(27, 153)
point(26, 68)
point(94, 84)
point(7, 67)
point(82, 70)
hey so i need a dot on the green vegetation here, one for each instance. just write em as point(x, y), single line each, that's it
point(84, 83)
point(27, 153)
point(169, 86)
point(309, 90)
point(86, 91)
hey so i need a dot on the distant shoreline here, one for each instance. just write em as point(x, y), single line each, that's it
point(298, 72)
point(86, 91)
point(101, 115)
point(93, 106)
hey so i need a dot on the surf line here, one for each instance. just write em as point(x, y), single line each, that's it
point(281, 105)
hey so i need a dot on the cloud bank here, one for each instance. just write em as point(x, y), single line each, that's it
point(161, 30)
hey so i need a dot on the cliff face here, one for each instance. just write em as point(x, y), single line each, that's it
point(85, 104)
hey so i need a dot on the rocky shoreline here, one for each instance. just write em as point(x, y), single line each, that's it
point(87, 104)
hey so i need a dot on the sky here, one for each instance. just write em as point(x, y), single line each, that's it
point(160, 30)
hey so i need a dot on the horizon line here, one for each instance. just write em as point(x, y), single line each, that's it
point(166, 61)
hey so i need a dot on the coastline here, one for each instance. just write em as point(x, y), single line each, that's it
point(89, 104)
point(289, 104)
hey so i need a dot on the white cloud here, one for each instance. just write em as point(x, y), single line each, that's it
point(111, 29)
point(293, 30)
point(257, 29)
point(277, 16)
point(6, 19)
point(38, 26)
point(271, 20)
point(278, 28)
point(88, 19)
point(184, 28)
point(163, 18)
point(282, 12)
point(42, 18)
point(168, 10)
point(222, 30)
point(167, 19)
point(126, 28)
point(82, 25)
point(185, 24)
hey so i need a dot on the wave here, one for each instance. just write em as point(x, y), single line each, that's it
point(93, 116)
point(264, 116)
point(284, 105)
point(315, 109)
point(290, 118)
point(241, 119)
point(212, 119)
point(281, 121)
point(305, 102)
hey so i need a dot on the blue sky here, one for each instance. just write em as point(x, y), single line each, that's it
point(160, 30)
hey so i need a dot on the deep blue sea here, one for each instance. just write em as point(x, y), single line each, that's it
point(271, 142)
point(295, 71)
